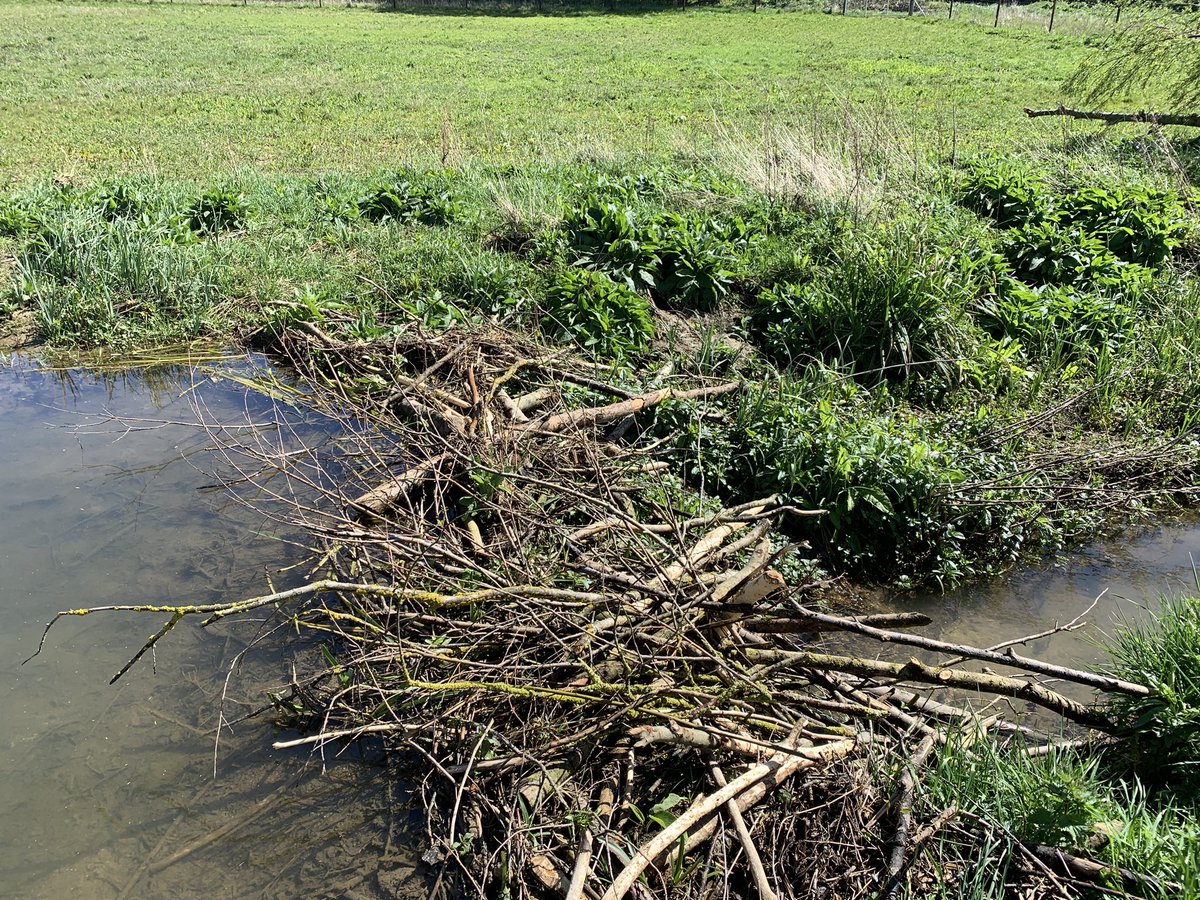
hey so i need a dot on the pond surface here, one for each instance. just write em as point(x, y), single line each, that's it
point(109, 495)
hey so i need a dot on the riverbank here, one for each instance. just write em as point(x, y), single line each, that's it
point(615, 433)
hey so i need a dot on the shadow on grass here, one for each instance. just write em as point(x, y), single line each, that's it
point(548, 8)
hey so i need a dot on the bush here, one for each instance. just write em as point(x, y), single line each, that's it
point(1056, 320)
point(404, 199)
point(688, 263)
point(1005, 192)
point(1136, 225)
point(885, 306)
point(598, 314)
point(881, 481)
point(216, 211)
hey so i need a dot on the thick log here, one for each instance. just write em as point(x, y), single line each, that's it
point(1149, 118)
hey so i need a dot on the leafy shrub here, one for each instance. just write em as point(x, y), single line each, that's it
point(487, 282)
point(880, 481)
point(404, 199)
point(1056, 318)
point(1047, 253)
point(884, 306)
point(600, 315)
point(689, 263)
point(122, 202)
point(1136, 225)
point(1005, 192)
point(216, 211)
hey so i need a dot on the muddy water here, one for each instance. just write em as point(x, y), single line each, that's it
point(107, 497)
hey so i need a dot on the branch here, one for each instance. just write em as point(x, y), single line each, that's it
point(1186, 120)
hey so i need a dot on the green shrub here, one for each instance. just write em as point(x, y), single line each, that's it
point(1047, 253)
point(598, 314)
point(1054, 319)
point(406, 199)
point(1135, 224)
point(1005, 192)
point(885, 306)
point(216, 211)
point(120, 201)
point(689, 263)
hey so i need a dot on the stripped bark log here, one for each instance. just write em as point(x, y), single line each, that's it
point(915, 670)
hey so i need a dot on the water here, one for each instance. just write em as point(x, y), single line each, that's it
point(108, 496)
point(1125, 578)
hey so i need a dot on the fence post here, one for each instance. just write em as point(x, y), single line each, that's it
point(1118, 22)
point(911, 4)
point(997, 23)
point(843, 7)
point(1053, 10)
point(951, 16)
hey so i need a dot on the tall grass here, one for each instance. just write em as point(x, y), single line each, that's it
point(1064, 800)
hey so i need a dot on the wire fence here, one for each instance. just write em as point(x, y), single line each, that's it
point(1045, 14)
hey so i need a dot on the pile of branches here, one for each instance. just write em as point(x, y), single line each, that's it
point(604, 685)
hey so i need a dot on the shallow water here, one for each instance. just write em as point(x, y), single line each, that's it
point(108, 496)
point(1124, 577)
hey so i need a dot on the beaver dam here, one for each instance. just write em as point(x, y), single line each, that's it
point(592, 681)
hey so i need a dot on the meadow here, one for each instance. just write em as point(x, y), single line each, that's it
point(186, 90)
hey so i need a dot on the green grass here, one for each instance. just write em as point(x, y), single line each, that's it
point(196, 91)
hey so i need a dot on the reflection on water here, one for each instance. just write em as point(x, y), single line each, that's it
point(106, 497)
point(1126, 577)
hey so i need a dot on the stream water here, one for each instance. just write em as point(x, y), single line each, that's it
point(107, 496)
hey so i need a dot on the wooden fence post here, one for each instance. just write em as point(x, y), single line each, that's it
point(911, 4)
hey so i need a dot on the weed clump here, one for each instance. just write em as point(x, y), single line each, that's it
point(601, 316)
point(1163, 743)
point(217, 211)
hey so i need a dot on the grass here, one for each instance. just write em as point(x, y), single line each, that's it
point(198, 91)
point(1066, 801)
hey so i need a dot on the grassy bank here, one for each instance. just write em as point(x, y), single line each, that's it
point(963, 368)
point(105, 88)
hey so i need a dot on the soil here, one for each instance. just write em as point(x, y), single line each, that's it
point(18, 331)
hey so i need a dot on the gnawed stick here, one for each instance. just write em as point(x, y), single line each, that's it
point(1082, 868)
point(765, 891)
point(903, 803)
point(916, 670)
point(602, 415)
point(706, 806)
point(379, 498)
point(1009, 658)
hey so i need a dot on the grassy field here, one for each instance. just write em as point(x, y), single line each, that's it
point(198, 90)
